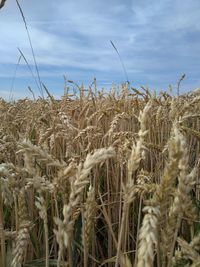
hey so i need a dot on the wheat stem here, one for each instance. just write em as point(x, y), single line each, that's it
point(3, 248)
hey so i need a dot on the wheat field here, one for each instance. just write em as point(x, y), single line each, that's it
point(100, 179)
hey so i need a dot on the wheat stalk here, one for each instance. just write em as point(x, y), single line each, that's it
point(88, 217)
point(65, 227)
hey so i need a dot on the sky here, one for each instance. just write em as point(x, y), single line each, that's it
point(158, 42)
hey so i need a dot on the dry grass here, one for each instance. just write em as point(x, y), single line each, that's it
point(100, 179)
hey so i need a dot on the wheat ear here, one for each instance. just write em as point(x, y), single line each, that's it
point(88, 218)
point(65, 227)
point(136, 155)
point(23, 233)
point(148, 235)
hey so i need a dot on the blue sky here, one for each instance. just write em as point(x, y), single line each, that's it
point(157, 40)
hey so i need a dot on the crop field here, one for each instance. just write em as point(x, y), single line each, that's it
point(100, 179)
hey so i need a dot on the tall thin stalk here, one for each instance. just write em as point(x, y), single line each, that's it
point(30, 42)
point(3, 248)
point(40, 203)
